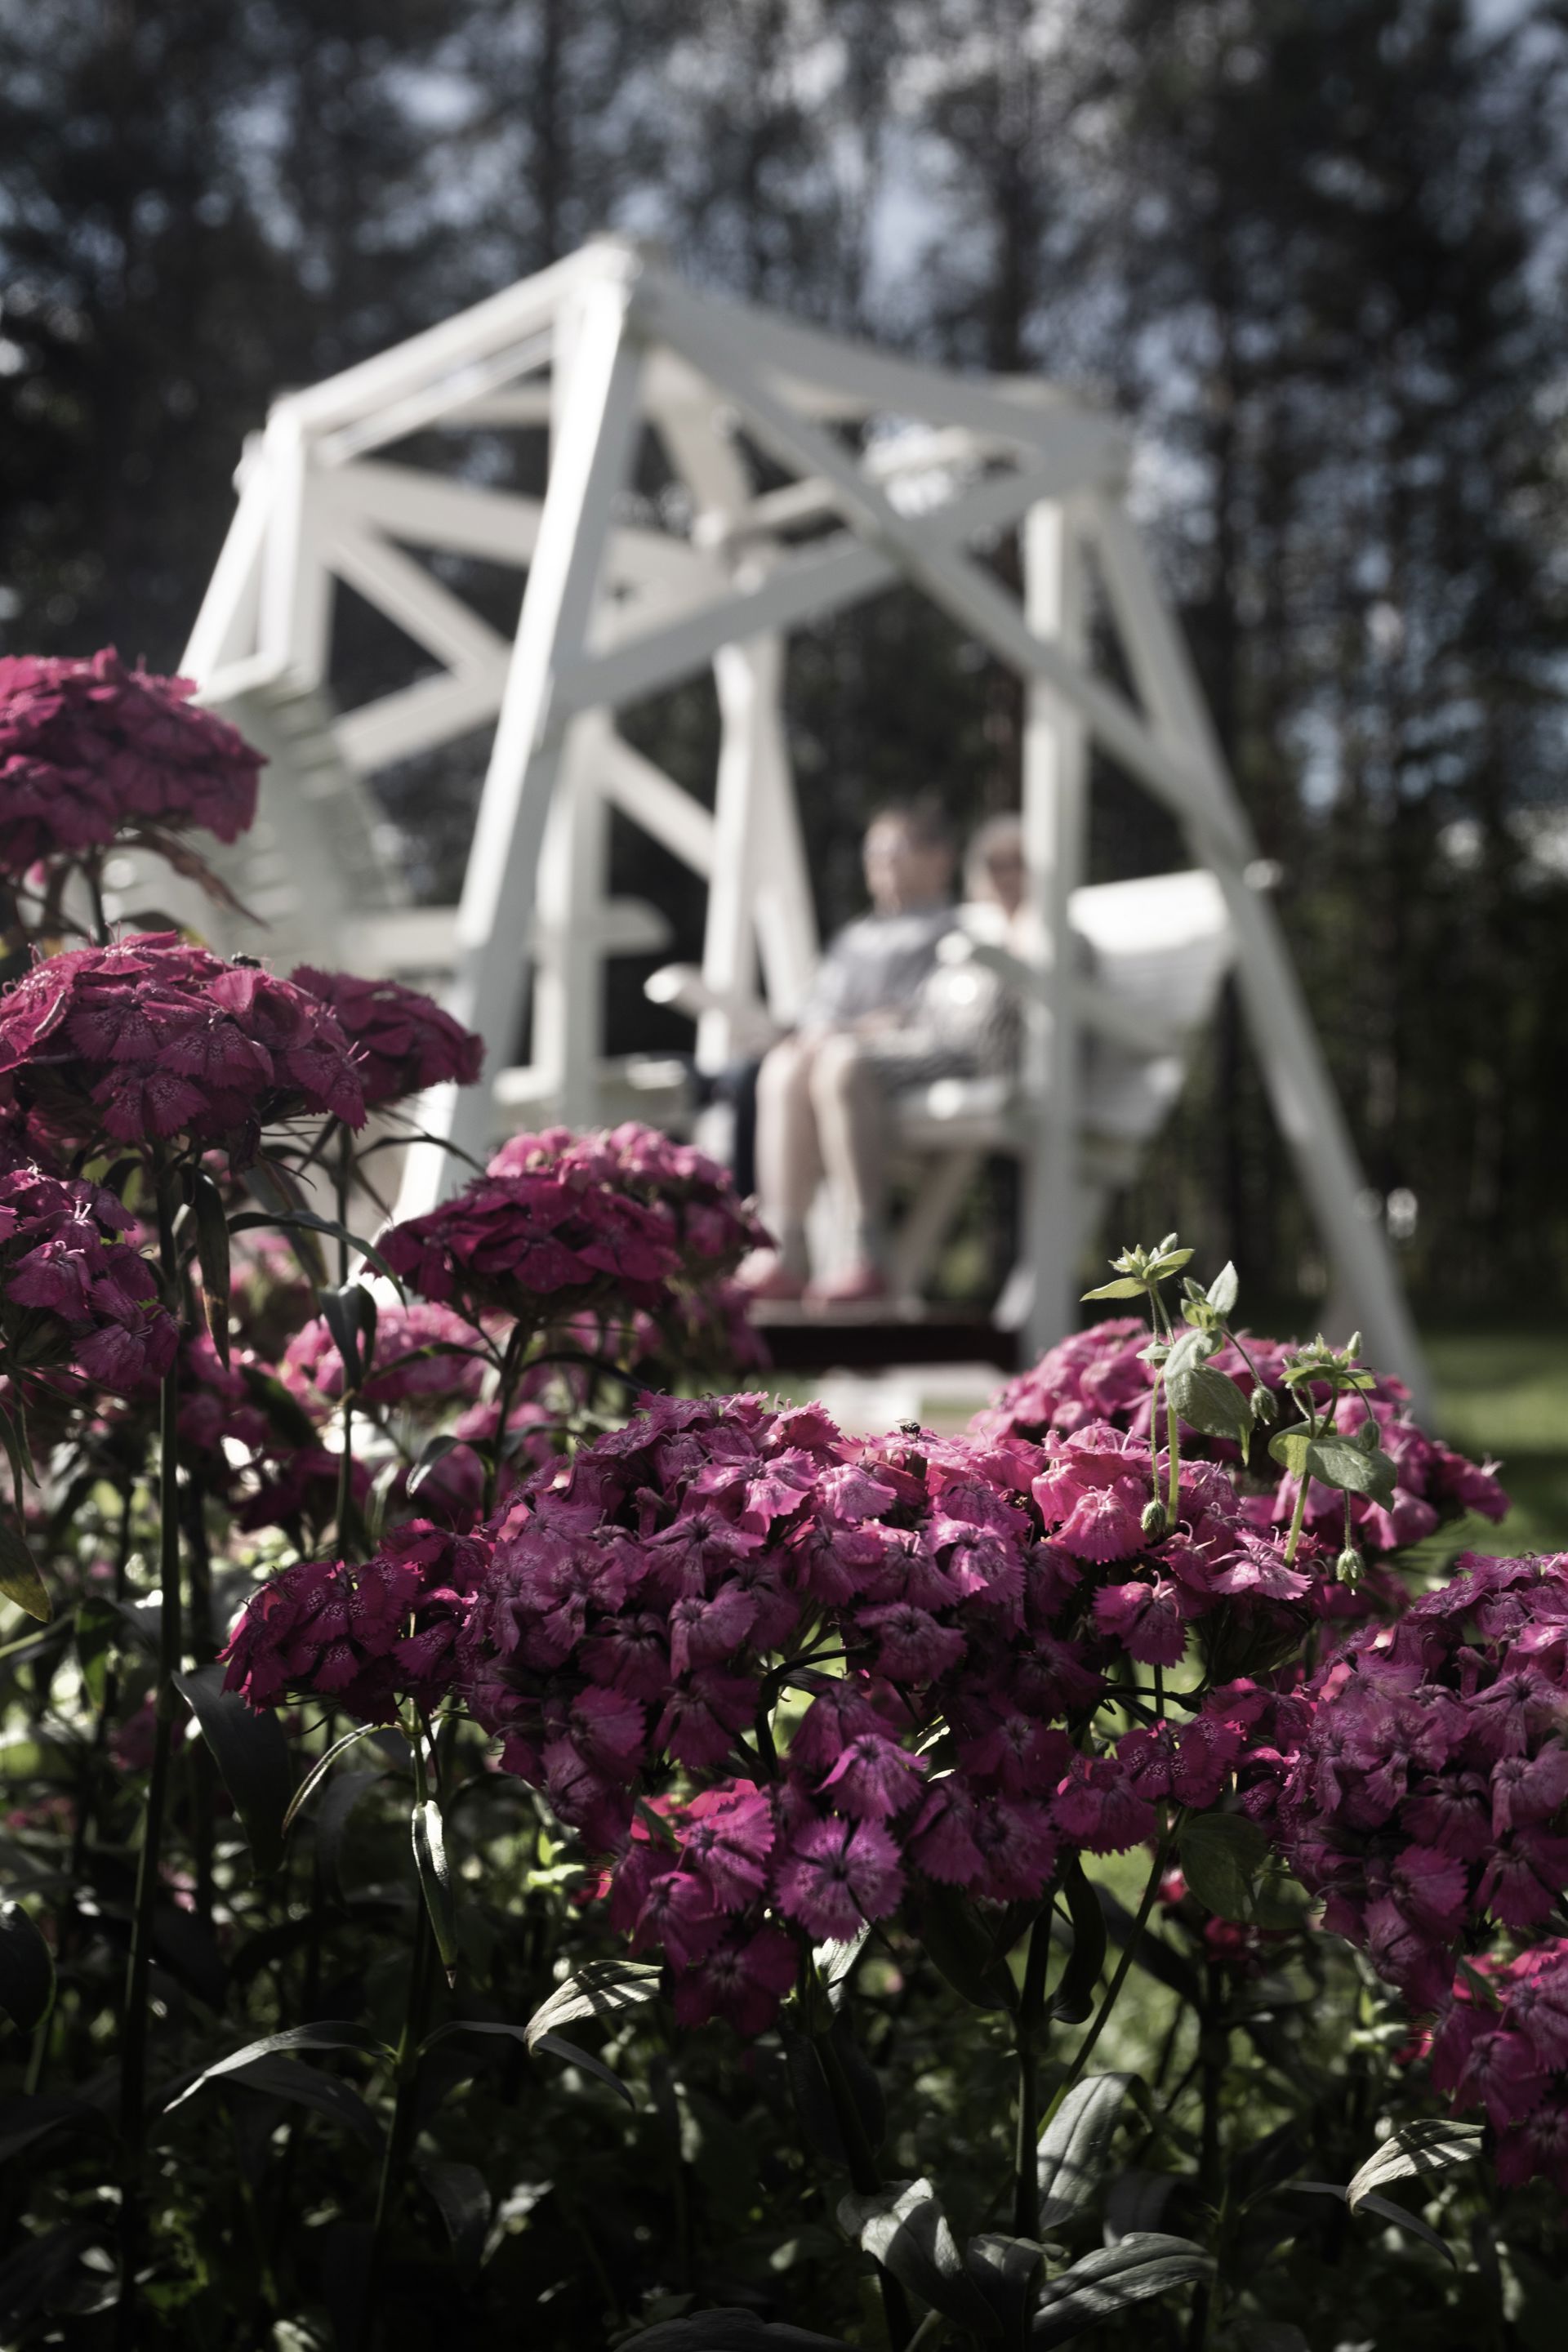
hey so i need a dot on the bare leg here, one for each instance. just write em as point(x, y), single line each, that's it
point(789, 1155)
point(851, 1109)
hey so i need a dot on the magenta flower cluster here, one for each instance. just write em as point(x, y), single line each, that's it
point(360, 1637)
point(1102, 1374)
point(426, 1355)
point(560, 1223)
point(1501, 2043)
point(92, 752)
point(404, 1041)
point(650, 1604)
point(712, 1227)
point(1426, 1799)
point(75, 1290)
point(151, 1039)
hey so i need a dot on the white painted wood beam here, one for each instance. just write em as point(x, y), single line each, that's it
point(1305, 1107)
point(960, 586)
point(590, 464)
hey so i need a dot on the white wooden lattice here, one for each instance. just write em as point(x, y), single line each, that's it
point(599, 349)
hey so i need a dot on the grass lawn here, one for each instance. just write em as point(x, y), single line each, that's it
point(1505, 1394)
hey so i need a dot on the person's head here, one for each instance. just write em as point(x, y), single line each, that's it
point(994, 868)
point(908, 857)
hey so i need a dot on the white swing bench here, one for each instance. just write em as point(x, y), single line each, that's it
point(1162, 947)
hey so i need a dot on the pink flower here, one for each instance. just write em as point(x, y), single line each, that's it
point(516, 1241)
point(1105, 1522)
point(425, 1356)
point(1147, 1618)
point(405, 1043)
point(75, 1291)
point(91, 751)
point(838, 1873)
point(151, 1039)
point(726, 1835)
point(360, 1636)
point(742, 1979)
point(912, 1646)
point(872, 1779)
point(1100, 1808)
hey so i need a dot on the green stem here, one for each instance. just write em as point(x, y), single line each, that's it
point(1113, 1990)
point(865, 2178)
point(1297, 1515)
point(400, 2137)
point(506, 1389)
point(135, 2019)
point(1173, 1449)
point(95, 892)
point(1031, 2017)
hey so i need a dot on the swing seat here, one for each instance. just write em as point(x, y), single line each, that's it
point(1161, 948)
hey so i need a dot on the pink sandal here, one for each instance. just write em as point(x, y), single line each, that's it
point(861, 1286)
point(766, 1276)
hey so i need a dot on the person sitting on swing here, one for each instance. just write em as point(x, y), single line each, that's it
point(884, 1015)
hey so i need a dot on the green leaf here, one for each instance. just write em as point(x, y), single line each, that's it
point(26, 2120)
point(1007, 2272)
point(1210, 1402)
point(557, 2046)
point(306, 1222)
point(252, 1756)
point(331, 2033)
point(279, 2076)
point(429, 1838)
point(600, 1989)
point(1188, 1350)
point(13, 1437)
point(1125, 1287)
point(1222, 1856)
point(1071, 2158)
point(1073, 1999)
point(961, 1948)
point(350, 1314)
point(1340, 1462)
point(97, 1623)
point(462, 2198)
point(1223, 1290)
point(1415, 2149)
point(729, 2330)
point(435, 1449)
point(27, 1969)
point(904, 2229)
point(1288, 1446)
point(19, 1577)
point(1232, 1869)
point(1112, 2279)
point(319, 1770)
point(211, 1252)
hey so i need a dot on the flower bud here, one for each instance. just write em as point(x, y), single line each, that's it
point(1349, 1567)
point(1264, 1407)
point(1155, 1523)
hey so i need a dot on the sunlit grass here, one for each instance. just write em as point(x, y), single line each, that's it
point(1505, 1394)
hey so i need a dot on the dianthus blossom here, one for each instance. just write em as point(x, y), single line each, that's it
point(92, 753)
point(1101, 1376)
point(1428, 1799)
point(425, 1356)
point(640, 1617)
point(151, 1038)
point(1501, 2043)
point(359, 1637)
point(712, 1228)
point(75, 1290)
point(551, 1238)
point(405, 1041)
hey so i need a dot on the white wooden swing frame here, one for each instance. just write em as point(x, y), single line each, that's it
point(598, 349)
